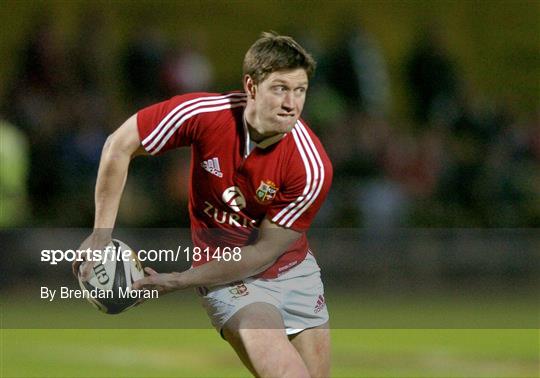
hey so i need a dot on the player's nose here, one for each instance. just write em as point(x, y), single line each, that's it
point(288, 102)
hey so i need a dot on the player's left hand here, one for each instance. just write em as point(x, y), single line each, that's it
point(162, 282)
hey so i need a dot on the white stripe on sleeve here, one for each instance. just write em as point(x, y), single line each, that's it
point(196, 111)
point(170, 120)
point(314, 168)
point(320, 183)
point(307, 167)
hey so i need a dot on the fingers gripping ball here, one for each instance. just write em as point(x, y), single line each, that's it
point(109, 283)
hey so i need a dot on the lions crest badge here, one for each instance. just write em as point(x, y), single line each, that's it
point(238, 289)
point(266, 191)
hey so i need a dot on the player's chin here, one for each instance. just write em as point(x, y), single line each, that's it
point(284, 125)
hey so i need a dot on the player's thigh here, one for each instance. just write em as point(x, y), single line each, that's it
point(313, 344)
point(256, 332)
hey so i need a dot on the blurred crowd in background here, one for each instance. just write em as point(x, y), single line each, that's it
point(457, 158)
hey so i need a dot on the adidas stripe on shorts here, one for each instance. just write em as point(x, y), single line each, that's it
point(298, 294)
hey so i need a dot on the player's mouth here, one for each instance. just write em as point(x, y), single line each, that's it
point(286, 115)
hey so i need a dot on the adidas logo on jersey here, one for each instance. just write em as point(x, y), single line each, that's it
point(212, 166)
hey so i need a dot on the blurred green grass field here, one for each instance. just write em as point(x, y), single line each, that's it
point(201, 353)
point(125, 347)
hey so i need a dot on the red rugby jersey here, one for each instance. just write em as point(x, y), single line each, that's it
point(231, 189)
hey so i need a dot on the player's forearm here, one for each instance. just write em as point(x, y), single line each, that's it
point(110, 183)
point(252, 261)
point(255, 258)
point(118, 150)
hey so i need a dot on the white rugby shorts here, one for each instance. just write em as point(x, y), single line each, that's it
point(298, 294)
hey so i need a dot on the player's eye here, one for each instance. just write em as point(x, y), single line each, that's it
point(280, 88)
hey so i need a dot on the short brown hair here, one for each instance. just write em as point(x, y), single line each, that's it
point(273, 52)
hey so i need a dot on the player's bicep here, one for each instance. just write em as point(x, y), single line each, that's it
point(126, 139)
point(274, 239)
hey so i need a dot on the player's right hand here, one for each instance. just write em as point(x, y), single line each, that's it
point(96, 241)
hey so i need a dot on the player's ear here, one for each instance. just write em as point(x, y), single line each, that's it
point(249, 86)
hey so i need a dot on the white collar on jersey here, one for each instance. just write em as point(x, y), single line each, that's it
point(251, 144)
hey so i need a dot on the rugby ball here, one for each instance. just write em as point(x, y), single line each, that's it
point(109, 285)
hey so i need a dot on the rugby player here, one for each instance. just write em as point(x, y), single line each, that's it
point(258, 177)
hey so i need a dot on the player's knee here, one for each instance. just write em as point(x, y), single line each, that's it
point(314, 347)
point(322, 370)
point(319, 364)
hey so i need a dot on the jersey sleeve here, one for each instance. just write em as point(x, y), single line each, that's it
point(170, 124)
point(307, 183)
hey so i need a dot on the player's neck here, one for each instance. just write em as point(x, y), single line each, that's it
point(256, 133)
